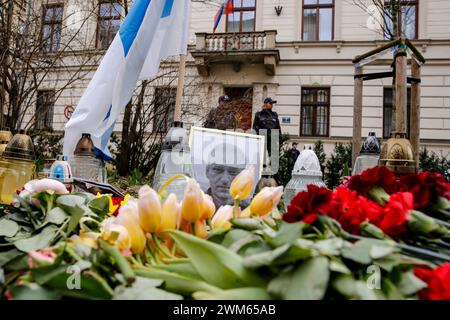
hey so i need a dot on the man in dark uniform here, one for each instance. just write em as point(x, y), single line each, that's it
point(293, 152)
point(266, 119)
point(222, 117)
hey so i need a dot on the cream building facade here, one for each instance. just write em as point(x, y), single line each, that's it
point(300, 55)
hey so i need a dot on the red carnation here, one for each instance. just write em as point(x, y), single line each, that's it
point(307, 204)
point(374, 212)
point(116, 201)
point(438, 281)
point(379, 176)
point(348, 211)
point(396, 213)
point(426, 188)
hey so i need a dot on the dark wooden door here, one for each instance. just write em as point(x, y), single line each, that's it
point(241, 103)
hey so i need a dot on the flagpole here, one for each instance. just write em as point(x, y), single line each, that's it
point(180, 88)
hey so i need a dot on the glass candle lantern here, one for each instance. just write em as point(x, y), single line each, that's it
point(16, 166)
point(306, 171)
point(369, 155)
point(84, 163)
point(397, 154)
point(61, 171)
point(175, 159)
point(5, 137)
point(267, 179)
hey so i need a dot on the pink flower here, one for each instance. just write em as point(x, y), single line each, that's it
point(8, 295)
point(45, 256)
point(36, 186)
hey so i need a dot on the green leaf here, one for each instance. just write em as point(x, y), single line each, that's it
point(294, 254)
point(234, 294)
point(75, 215)
point(74, 206)
point(307, 282)
point(254, 248)
point(352, 288)
point(410, 284)
point(144, 289)
point(70, 201)
point(39, 241)
point(331, 246)
point(7, 256)
point(175, 282)
point(44, 274)
point(381, 251)
point(56, 216)
point(264, 258)
point(338, 266)
point(216, 264)
point(248, 223)
point(19, 263)
point(243, 245)
point(99, 205)
point(22, 234)
point(235, 235)
point(360, 251)
point(288, 233)
point(185, 269)
point(389, 263)
point(8, 228)
point(33, 291)
point(390, 290)
point(442, 204)
point(90, 287)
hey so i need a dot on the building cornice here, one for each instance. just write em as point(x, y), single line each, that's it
point(376, 43)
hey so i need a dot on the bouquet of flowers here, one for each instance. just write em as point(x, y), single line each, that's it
point(368, 239)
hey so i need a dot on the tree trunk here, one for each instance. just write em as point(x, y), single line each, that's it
point(125, 142)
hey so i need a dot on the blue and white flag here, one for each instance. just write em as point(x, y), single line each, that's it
point(152, 31)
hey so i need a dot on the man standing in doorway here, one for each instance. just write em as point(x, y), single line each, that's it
point(267, 122)
point(222, 117)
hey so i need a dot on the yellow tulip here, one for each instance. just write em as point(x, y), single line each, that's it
point(277, 194)
point(222, 217)
point(87, 238)
point(150, 209)
point(243, 184)
point(170, 213)
point(128, 217)
point(245, 213)
point(192, 201)
point(118, 236)
point(208, 207)
point(265, 200)
point(200, 229)
point(125, 200)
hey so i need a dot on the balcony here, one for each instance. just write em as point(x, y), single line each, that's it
point(236, 49)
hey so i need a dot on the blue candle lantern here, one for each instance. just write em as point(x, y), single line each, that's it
point(61, 170)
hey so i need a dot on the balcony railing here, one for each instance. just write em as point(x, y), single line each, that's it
point(237, 49)
point(239, 41)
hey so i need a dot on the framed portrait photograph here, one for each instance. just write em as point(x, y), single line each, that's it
point(219, 156)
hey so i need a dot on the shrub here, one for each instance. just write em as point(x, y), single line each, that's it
point(320, 153)
point(338, 165)
point(286, 164)
point(431, 162)
point(47, 145)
